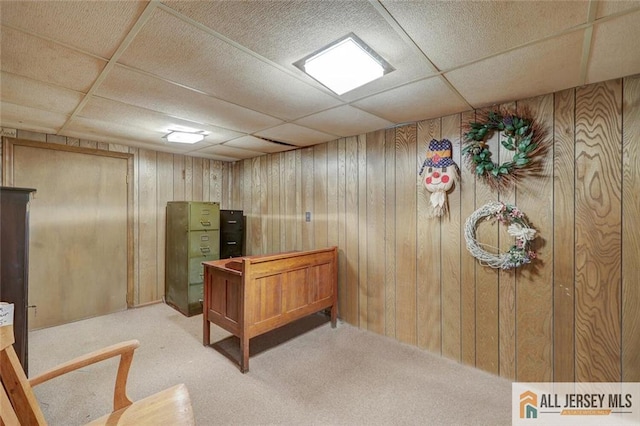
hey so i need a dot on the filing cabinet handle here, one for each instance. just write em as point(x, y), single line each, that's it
point(232, 221)
point(205, 223)
point(205, 249)
point(231, 243)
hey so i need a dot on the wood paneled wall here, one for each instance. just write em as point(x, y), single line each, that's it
point(572, 316)
point(158, 177)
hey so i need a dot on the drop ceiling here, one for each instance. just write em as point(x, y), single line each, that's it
point(128, 72)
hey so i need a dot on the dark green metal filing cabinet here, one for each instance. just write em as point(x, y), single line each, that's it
point(193, 236)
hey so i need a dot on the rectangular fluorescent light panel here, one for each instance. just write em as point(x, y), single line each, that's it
point(345, 65)
point(184, 137)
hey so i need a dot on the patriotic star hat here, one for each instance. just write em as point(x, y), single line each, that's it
point(438, 154)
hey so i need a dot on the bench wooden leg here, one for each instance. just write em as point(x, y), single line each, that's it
point(334, 315)
point(244, 348)
point(206, 328)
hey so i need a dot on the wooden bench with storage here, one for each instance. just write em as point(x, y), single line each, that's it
point(251, 295)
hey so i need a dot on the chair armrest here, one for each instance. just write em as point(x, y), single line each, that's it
point(124, 349)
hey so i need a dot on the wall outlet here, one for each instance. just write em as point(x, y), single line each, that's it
point(307, 217)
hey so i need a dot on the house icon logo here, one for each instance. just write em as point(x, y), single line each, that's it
point(528, 405)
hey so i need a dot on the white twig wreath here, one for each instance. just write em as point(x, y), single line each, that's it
point(519, 254)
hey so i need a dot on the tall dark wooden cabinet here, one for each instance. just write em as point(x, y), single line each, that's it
point(193, 236)
point(231, 233)
point(14, 262)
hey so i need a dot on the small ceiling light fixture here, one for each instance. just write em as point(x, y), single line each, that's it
point(184, 137)
point(344, 65)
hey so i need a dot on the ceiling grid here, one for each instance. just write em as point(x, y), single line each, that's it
point(129, 72)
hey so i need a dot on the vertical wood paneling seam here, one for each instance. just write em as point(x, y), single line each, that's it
point(462, 248)
point(136, 295)
point(442, 298)
point(395, 223)
point(620, 292)
point(475, 265)
point(475, 268)
point(360, 254)
point(515, 298)
point(500, 275)
point(441, 273)
point(416, 250)
point(159, 288)
point(384, 227)
point(395, 240)
point(390, 232)
point(575, 197)
point(515, 308)
point(475, 286)
point(553, 242)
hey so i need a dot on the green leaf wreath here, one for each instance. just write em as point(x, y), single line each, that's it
point(519, 137)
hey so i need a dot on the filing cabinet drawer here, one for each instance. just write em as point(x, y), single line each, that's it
point(231, 244)
point(195, 297)
point(230, 251)
point(235, 238)
point(231, 221)
point(204, 243)
point(196, 293)
point(204, 216)
point(196, 270)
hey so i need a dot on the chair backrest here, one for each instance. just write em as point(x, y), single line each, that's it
point(18, 404)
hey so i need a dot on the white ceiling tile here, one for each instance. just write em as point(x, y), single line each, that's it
point(194, 58)
point(117, 112)
point(97, 27)
point(417, 101)
point(302, 26)
point(230, 152)
point(25, 118)
point(36, 94)
point(452, 33)
point(611, 53)
point(256, 144)
point(38, 59)
point(209, 156)
point(344, 121)
point(610, 7)
point(112, 132)
point(144, 91)
point(296, 135)
point(538, 69)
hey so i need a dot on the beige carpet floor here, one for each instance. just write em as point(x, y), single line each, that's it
point(303, 374)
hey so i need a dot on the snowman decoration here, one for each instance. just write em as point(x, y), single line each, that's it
point(438, 173)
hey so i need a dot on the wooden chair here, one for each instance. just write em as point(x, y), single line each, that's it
point(18, 405)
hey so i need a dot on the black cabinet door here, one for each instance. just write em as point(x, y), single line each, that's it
point(231, 233)
point(14, 262)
